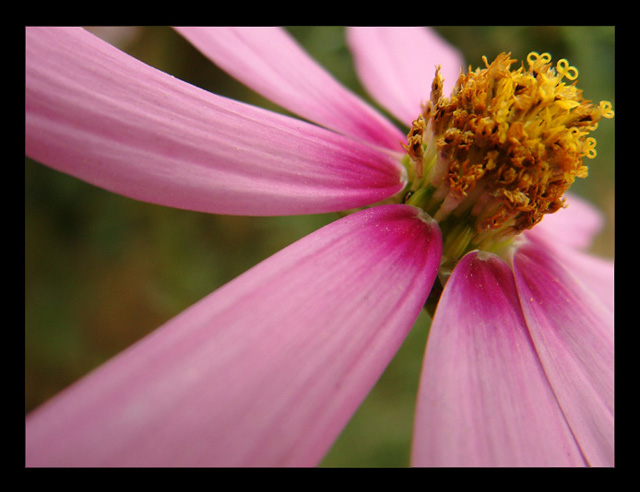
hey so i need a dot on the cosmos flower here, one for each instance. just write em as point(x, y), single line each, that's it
point(267, 370)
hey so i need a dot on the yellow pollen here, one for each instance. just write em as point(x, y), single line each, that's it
point(500, 152)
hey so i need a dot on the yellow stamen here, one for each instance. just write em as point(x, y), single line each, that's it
point(500, 152)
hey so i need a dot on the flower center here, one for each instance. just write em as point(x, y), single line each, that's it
point(488, 162)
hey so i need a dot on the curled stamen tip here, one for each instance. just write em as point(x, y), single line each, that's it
point(590, 148)
point(606, 109)
point(566, 70)
point(534, 57)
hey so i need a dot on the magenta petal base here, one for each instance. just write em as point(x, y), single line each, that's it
point(484, 399)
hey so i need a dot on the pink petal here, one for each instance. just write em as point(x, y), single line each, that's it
point(484, 399)
point(574, 226)
point(97, 114)
point(265, 371)
point(269, 61)
point(567, 232)
point(573, 335)
point(596, 274)
point(397, 66)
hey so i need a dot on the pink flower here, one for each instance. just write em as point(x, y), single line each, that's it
point(268, 369)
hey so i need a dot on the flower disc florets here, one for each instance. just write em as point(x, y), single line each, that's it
point(490, 160)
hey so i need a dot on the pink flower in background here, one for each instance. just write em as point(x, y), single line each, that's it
point(267, 370)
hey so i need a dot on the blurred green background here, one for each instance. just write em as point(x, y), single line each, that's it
point(101, 270)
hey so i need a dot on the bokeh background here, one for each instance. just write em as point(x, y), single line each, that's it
point(102, 271)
